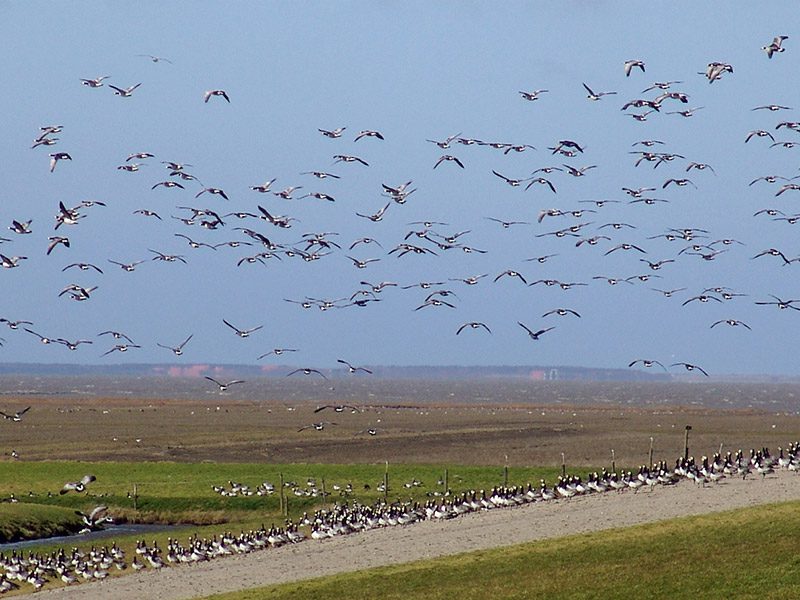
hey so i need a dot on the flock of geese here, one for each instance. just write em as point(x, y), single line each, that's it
point(257, 235)
point(351, 516)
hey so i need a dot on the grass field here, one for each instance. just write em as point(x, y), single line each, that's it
point(19, 521)
point(748, 553)
point(182, 494)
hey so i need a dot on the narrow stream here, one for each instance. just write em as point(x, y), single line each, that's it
point(71, 540)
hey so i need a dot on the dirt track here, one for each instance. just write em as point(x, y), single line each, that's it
point(495, 528)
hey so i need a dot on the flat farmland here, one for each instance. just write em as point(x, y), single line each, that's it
point(492, 423)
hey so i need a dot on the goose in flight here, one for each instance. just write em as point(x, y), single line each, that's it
point(77, 486)
point(530, 96)
point(306, 371)
point(561, 312)
point(128, 267)
point(176, 350)
point(449, 158)
point(47, 340)
point(14, 324)
point(57, 156)
point(168, 184)
point(332, 133)
point(378, 215)
point(72, 345)
point(156, 59)
point(775, 46)
point(55, 240)
point(348, 159)
point(117, 335)
point(95, 517)
point(124, 92)
point(16, 417)
point(689, 367)
point(223, 386)
point(781, 304)
point(731, 322)
point(212, 190)
point(277, 352)
point(368, 133)
point(509, 181)
point(96, 82)
point(337, 408)
point(631, 64)
point(351, 368)
point(473, 325)
point(596, 95)
point(534, 335)
point(445, 143)
point(506, 224)
point(541, 181)
point(646, 362)
point(10, 262)
point(316, 426)
point(242, 333)
point(120, 348)
point(222, 93)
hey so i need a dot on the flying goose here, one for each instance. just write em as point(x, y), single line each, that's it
point(124, 92)
point(631, 64)
point(223, 386)
point(177, 350)
point(57, 156)
point(306, 371)
point(775, 46)
point(16, 417)
point(596, 95)
point(534, 335)
point(351, 368)
point(96, 82)
point(207, 95)
point(242, 333)
point(368, 133)
point(77, 486)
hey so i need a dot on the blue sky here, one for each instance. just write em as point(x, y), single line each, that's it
point(414, 72)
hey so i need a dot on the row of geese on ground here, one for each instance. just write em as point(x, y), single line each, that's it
point(352, 517)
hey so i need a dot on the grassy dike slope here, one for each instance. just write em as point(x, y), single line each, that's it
point(749, 553)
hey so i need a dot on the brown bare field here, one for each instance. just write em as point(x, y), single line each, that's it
point(581, 420)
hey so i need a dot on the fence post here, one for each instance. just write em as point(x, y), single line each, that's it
point(613, 462)
point(282, 498)
point(135, 497)
point(505, 472)
point(650, 455)
point(686, 443)
point(563, 466)
point(386, 483)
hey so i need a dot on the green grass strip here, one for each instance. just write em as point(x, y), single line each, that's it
point(22, 521)
point(750, 553)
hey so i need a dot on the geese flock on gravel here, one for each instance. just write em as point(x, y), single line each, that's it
point(353, 517)
point(245, 220)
